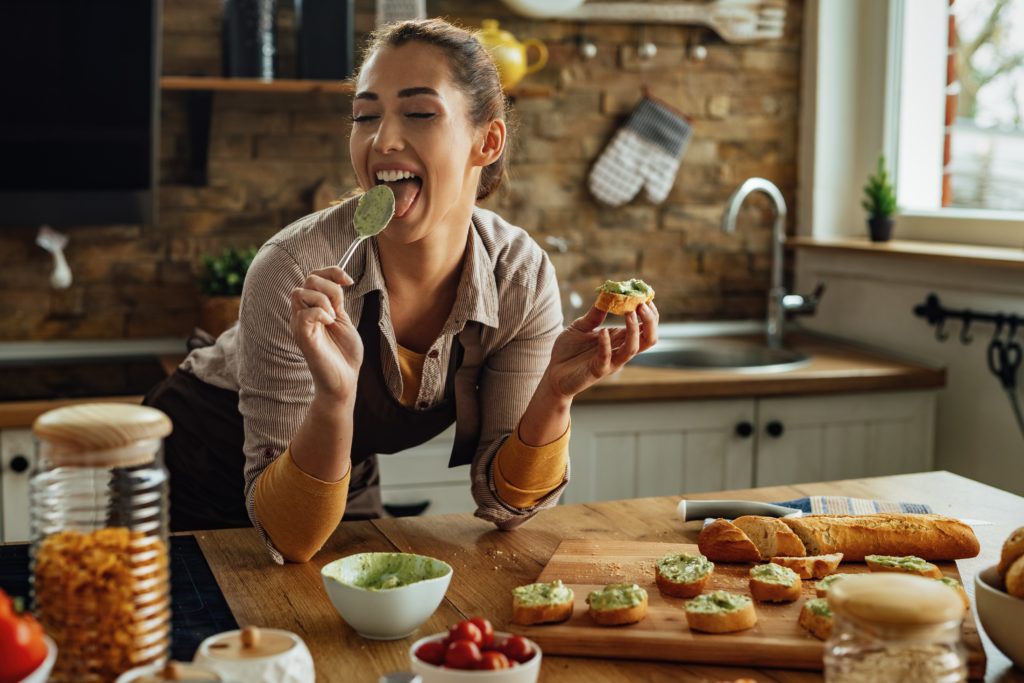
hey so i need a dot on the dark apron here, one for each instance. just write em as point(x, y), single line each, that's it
point(204, 453)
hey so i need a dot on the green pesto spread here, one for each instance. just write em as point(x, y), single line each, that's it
point(907, 564)
point(385, 571)
point(374, 210)
point(632, 287)
point(717, 602)
point(774, 573)
point(616, 596)
point(819, 607)
point(553, 593)
point(827, 582)
point(685, 568)
point(952, 583)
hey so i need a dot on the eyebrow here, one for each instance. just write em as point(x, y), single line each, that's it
point(406, 92)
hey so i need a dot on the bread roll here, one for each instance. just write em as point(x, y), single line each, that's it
point(771, 536)
point(1015, 578)
point(930, 537)
point(812, 567)
point(723, 541)
point(1012, 549)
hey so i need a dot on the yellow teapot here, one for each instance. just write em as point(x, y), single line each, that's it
point(509, 54)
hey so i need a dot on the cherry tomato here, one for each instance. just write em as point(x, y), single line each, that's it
point(466, 630)
point(492, 659)
point(22, 648)
point(432, 652)
point(517, 649)
point(487, 630)
point(462, 654)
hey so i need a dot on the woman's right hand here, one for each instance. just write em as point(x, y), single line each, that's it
point(325, 334)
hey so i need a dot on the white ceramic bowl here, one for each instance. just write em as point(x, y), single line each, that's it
point(523, 673)
point(539, 9)
point(42, 672)
point(1001, 614)
point(385, 614)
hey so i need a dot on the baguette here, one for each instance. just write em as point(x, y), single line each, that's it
point(541, 603)
point(1012, 549)
point(720, 612)
point(908, 564)
point(623, 297)
point(774, 583)
point(723, 541)
point(771, 536)
point(930, 537)
point(813, 567)
point(682, 576)
point(1015, 578)
point(618, 604)
point(816, 617)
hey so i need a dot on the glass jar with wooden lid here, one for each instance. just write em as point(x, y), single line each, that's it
point(895, 627)
point(98, 509)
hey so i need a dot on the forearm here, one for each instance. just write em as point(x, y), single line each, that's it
point(546, 417)
point(322, 446)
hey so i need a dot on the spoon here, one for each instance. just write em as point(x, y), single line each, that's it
point(374, 210)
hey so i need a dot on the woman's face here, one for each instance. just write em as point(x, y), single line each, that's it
point(410, 119)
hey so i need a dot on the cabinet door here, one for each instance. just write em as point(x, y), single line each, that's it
point(420, 477)
point(630, 450)
point(822, 438)
point(17, 459)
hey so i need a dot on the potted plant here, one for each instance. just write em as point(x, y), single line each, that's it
point(221, 287)
point(880, 203)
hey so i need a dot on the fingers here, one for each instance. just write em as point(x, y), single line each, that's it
point(602, 364)
point(590, 321)
point(648, 325)
point(631, 343)
point(303, 315)
point(328, 281)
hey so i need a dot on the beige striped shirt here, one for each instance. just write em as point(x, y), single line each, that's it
point(507, 313)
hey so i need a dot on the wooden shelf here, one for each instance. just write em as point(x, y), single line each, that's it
point(288, 85)
point(1004, 257)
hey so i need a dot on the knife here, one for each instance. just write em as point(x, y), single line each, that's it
point(688, 510)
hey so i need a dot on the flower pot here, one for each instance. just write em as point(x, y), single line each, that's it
point(218, 313)
point(880, 228)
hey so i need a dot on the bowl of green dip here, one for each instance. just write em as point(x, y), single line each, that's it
point(386, 596)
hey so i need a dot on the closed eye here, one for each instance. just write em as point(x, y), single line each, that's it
point(421, 115)
point(364, 117)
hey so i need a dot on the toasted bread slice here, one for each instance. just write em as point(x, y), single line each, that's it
point(723, 541)
point(821, 588)
point(774, 583)
point(813, 566)
point(771, 536)
point(816, 617)
point(720, 612)
point(959, 588)
point(621, 298)
point(617, 604)
point(541, 603)
point(1013, 548)
point(904, 565)
point(683, 575)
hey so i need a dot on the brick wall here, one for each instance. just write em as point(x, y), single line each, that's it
point(268, 152)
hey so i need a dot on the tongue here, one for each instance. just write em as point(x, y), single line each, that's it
point(406, 192)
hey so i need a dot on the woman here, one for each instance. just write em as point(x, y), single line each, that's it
point(449, 315)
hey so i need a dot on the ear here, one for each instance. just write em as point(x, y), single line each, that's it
point(490, 144)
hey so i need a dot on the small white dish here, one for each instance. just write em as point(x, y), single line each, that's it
point(42, 672)
point(521, 673)
point(357, 586)
point(1001, 614)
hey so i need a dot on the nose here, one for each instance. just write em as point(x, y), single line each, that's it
point(389, 136)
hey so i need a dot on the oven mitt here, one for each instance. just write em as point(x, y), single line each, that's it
point(644, 152)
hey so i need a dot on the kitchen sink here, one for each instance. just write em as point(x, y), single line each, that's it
point(720, 354)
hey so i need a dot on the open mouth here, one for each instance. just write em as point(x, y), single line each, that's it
point(406, 186)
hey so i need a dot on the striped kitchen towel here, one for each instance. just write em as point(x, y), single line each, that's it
point(841, 505)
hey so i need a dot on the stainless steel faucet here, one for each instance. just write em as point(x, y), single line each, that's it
point(779, 302)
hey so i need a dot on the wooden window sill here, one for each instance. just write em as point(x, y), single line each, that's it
point(1004, 257)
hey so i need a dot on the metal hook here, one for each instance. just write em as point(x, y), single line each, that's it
point(965, 331)
point(940, 329)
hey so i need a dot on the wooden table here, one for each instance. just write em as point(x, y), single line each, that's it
point(488, 563)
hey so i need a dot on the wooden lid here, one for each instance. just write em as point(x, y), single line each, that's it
point(900, 600)
point(250, 643)
point(109, 434)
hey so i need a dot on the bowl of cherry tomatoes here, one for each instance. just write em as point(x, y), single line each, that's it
point(472, 651)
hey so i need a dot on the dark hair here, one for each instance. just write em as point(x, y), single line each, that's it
point(474, 74)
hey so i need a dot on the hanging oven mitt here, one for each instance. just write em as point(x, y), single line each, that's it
point(644, 152)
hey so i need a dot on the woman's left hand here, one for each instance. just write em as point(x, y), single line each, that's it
point(583, 354)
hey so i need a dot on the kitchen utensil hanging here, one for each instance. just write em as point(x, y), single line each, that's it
point(1004, 353)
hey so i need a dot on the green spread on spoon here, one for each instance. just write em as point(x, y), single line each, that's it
point(542, 593)
point(616, 596)
point(374, 210)
point(774, 573)
point(685, 568)
point(632, 287)
point(716, 602)
point(819, 607)
point(909, 563)
point(827, 582)
point(384, 571)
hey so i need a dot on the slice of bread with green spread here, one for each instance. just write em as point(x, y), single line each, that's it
point(683, 575)
point(623, 297)
point(907, 564)
point(617, 604)
point(816, 617)
point(774, 583)
point(821, 588)
point(720, 612)
point(959, 588)
point(541, 603)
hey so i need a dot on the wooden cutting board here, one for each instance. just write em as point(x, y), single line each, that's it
point(776, 641)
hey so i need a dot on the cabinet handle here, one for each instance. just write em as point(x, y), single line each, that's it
point(406, 509)
point(19, 464)
point(774, 428)
point(744, 429)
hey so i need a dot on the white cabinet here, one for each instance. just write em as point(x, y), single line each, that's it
point(17, 458)
point(420, 475)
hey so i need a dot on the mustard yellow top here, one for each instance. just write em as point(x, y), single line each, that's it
point(523, 475)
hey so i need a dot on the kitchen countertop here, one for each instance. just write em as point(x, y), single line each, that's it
point(835, 367)
point(488, 563)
